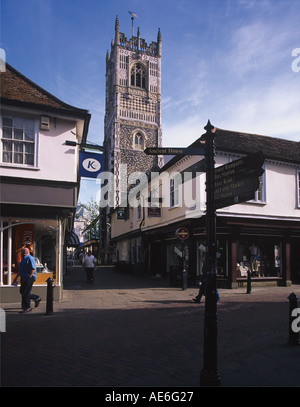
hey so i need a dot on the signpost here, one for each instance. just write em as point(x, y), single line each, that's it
point(237, 181)
point(209, 375)
point(227, 185)
point(174, 151)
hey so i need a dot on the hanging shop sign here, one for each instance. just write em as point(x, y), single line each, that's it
point(90, 164)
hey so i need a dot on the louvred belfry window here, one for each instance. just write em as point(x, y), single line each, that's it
point(138, 76)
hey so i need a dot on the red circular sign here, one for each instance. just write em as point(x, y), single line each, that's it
point(182, 233)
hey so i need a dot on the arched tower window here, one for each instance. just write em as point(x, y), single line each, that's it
point(138, 141)
point(138, 76)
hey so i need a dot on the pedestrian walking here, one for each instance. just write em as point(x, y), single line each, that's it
point(88, 262)
point(202, 287)
point(27, 273)
point(201, 292)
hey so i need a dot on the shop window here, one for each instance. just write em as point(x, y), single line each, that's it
point(262, 259)
point(39, 238)
point(221, 257)
point(18, 141)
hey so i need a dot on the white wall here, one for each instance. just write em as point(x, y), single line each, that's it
point(55, 160)
point(280, 202)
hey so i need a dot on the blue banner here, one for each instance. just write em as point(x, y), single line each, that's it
point(90, 164)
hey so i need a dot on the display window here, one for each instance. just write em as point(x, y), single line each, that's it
point(39, 236)
point(221, 255)
point(261, 257)
point(175, 253)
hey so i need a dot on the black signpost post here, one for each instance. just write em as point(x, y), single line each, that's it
point(209, 375)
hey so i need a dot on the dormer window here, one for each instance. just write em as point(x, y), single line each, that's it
point(138, 76)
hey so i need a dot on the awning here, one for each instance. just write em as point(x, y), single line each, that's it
point(72, 239)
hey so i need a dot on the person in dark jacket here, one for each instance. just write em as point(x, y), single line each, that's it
point(27, 272)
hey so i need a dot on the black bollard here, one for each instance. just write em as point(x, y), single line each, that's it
point(293, 316)
point(248, 282)
point(49, 305)
point(184, 280)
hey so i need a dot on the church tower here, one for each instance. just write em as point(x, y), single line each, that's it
point(133, 105)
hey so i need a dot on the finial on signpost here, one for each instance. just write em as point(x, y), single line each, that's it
point(209, 126)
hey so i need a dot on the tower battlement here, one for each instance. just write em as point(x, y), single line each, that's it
point(136, 43)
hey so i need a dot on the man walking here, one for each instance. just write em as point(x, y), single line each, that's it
point(89, 262)
point(27, 272)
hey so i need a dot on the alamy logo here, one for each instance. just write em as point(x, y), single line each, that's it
point(2, 320)
point(296, 62)
point(175, 189)
point(296, 322)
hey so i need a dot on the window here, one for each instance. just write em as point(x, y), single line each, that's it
point(262, 257)
point(138, 141)
point(260, 193)
point(18, 141)
point(138, 76)
point(175, 190)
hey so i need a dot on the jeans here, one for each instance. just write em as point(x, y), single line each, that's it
point(25, 291)
point(90, 274)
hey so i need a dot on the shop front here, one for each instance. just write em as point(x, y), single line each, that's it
point(44, 238)
point(261, 248)
point(264, 249)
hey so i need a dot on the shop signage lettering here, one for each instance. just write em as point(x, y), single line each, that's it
point(262, 231)
point(2, 320)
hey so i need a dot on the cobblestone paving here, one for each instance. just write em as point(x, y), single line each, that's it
point(136, 331)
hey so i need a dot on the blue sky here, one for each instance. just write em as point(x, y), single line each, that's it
point(229, 61)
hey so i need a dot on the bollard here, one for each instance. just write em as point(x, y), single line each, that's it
point(49, 305)
point(248, 282)
point(293, 331)
point(184, 280)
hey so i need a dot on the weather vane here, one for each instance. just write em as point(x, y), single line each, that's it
point(133, 16)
